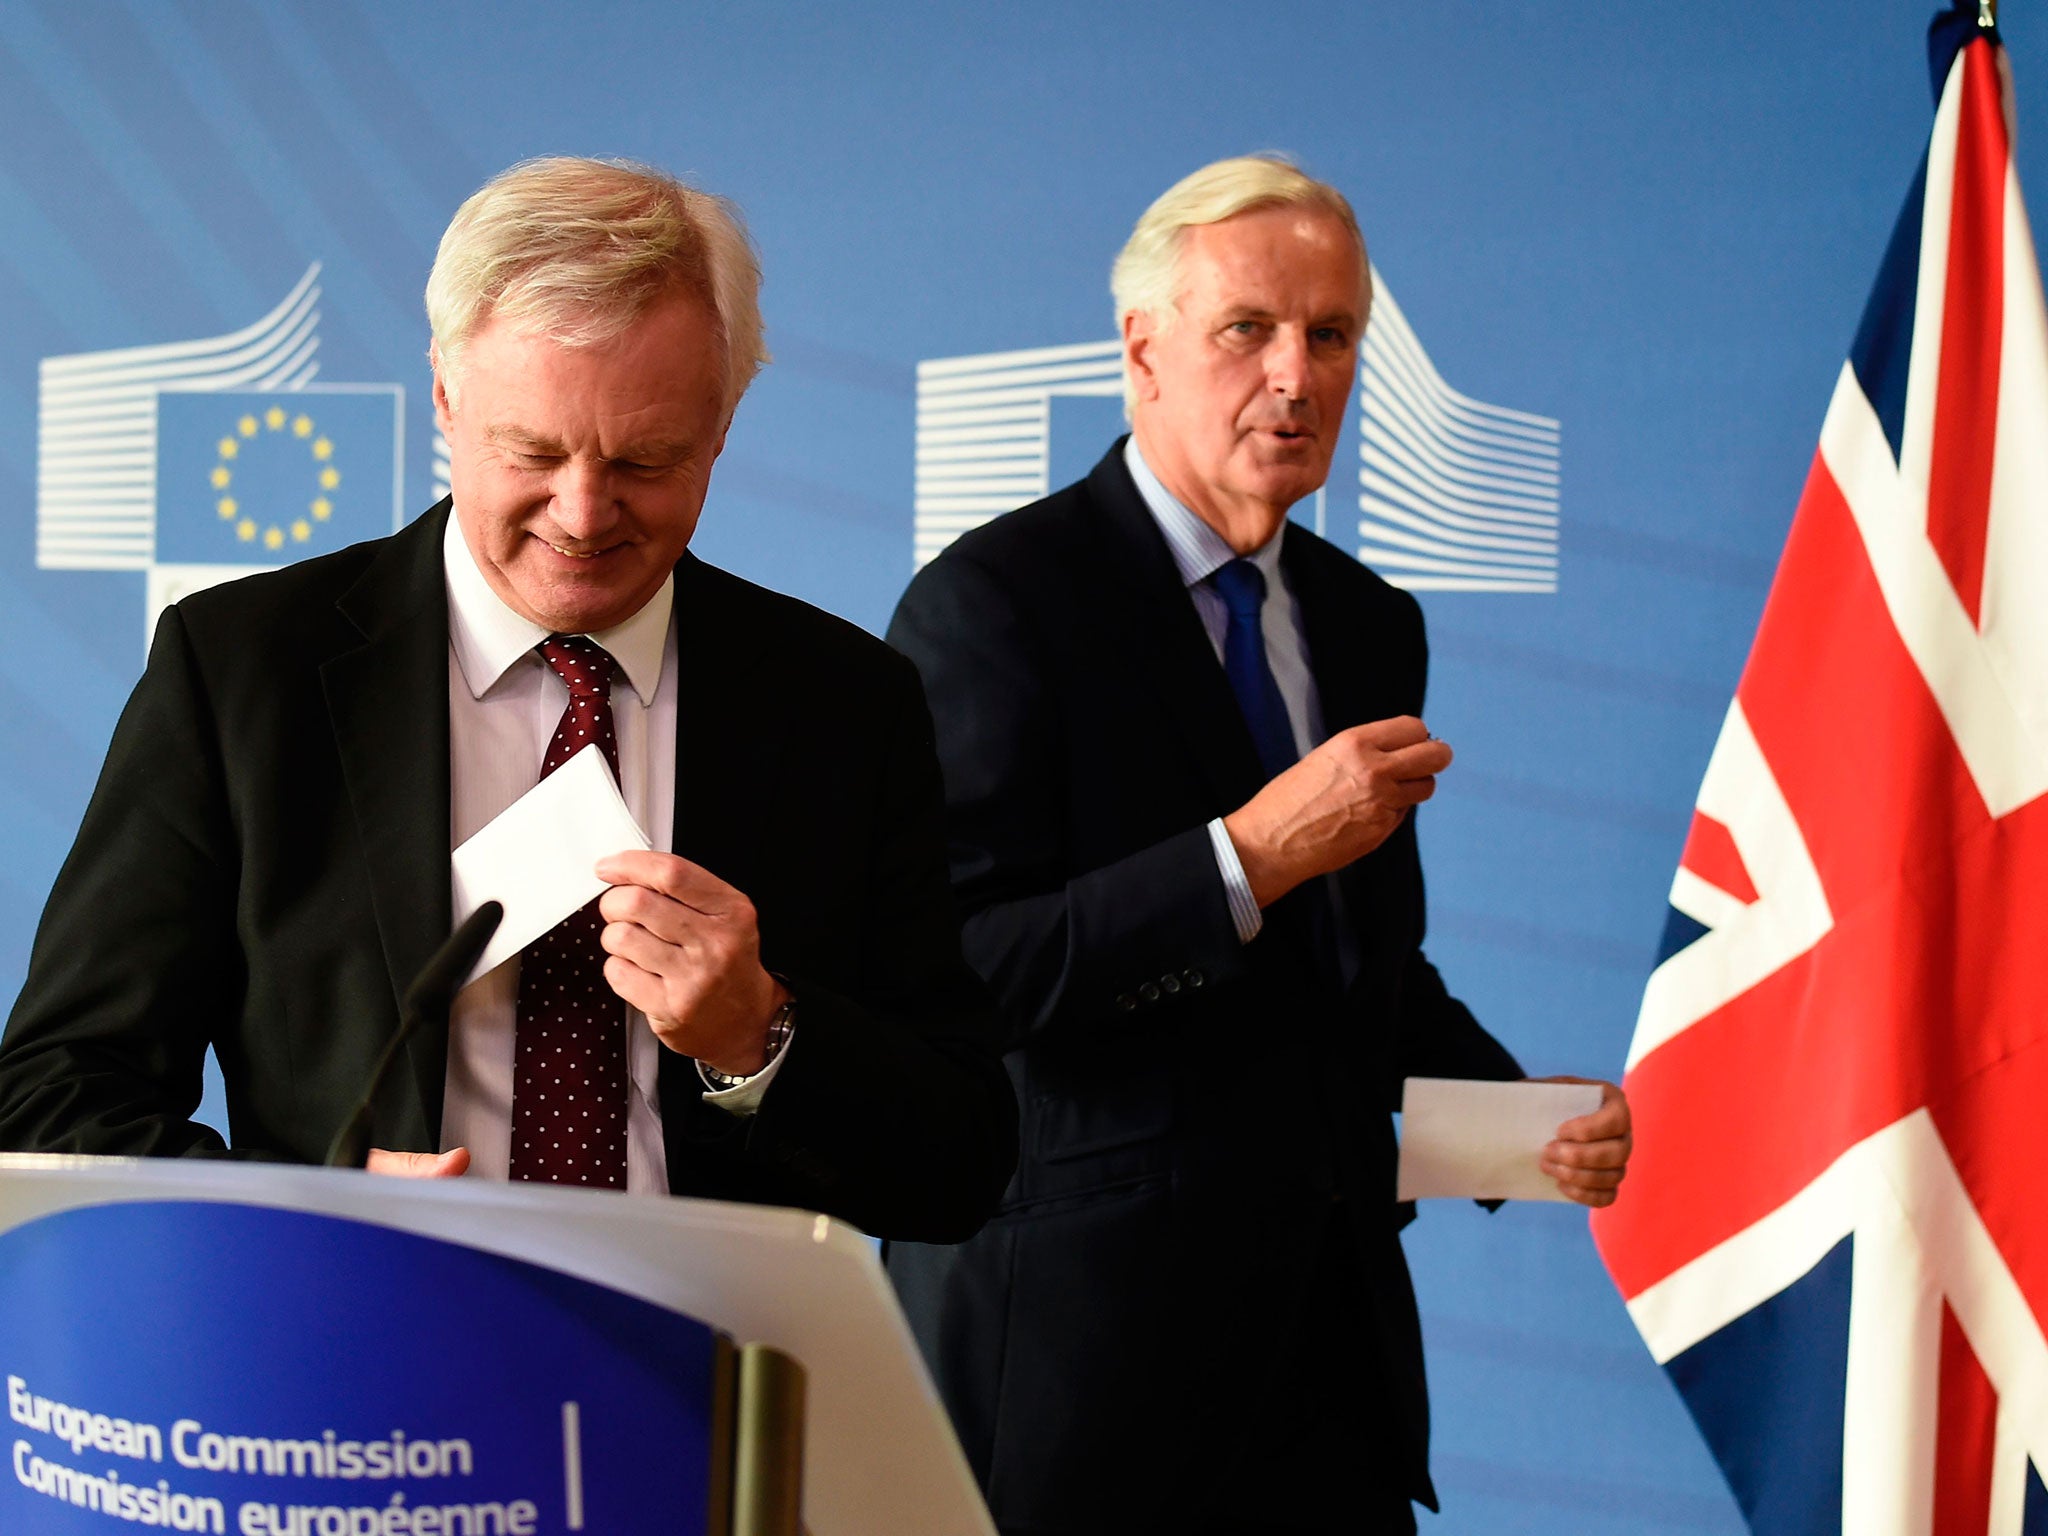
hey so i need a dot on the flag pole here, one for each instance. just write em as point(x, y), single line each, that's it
point(1987, 13)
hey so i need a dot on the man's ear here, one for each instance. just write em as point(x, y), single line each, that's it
point(444, 411)
point(1139, 334)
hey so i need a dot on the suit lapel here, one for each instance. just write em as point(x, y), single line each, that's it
point(388, 700)
point(1353, 683)
point(730, 731)
point(1151, 618)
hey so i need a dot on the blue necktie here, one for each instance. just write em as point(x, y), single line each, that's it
point(1242, 587)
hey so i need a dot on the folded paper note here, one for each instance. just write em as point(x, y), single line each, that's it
point(538, 854)
point(1481, 1141)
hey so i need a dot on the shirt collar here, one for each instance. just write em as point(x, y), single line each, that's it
point(489, 638)
point(1199, 551)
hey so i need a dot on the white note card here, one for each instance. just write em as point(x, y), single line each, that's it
point(537, 854)
point(1481, 1141)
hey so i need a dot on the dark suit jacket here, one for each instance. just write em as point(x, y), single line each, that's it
point(264, 867)
point(1191, 1105)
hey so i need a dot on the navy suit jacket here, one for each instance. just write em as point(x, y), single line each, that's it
point(1192, 1106)
point(263, 868)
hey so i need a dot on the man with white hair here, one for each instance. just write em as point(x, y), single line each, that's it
point(1182, 741)
point(769, 1006)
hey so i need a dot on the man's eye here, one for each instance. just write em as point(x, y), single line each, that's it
point(1332, 336)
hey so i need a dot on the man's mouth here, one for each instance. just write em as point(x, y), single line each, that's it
point(568, 553)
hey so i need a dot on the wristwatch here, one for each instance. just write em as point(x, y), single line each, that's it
point(779, 1030)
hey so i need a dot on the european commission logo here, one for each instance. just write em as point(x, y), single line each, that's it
point(1452, 494)
point(199, 461)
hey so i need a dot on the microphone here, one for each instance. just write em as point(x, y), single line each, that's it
point(430, 996)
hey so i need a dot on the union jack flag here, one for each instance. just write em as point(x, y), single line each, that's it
point(1835, 1232)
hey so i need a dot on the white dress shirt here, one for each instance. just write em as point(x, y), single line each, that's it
point(1199, 551)
point(504, 703)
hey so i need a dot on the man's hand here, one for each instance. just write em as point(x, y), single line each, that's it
point(451, 1164)
point(1590, 1155)
point(1336, 805)
point(686, 952)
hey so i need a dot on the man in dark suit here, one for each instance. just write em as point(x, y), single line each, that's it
point(1182, 740)
point(770, 1006)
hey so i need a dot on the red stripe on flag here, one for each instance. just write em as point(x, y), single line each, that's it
point(1966, 401)
point(1930, 974)
point(1710, 853)
point(1965, 1432)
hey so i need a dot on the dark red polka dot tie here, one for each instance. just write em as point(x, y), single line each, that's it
point(569, 1060)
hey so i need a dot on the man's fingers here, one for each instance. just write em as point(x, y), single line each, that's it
point(1604, 1124)
point(663, 916)
point(1413, 791)
point(1580, 1174)
point(1588, 1195)
point(1609, 1122)
point(1589, 1158)
point(650, 952)
point(451, 1164)
point(1422, 760)
point(638, 987)
point(1391, 735)
point(1584, 1187)
point(1609, 1154)
point(691, 884)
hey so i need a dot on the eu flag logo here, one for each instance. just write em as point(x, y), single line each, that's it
point(268, 477)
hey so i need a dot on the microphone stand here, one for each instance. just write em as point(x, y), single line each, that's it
point(430, 996)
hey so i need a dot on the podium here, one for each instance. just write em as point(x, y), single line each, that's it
point(251, 1348)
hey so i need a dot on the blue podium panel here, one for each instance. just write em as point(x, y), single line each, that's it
point(235, 1368)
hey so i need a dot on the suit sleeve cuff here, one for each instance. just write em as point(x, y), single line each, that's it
point(1237, 890)
point(744, 1099)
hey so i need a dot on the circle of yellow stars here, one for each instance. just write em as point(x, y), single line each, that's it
point(327, 478)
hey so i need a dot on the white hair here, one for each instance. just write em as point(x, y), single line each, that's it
point(577, 250)
point(1147, 278)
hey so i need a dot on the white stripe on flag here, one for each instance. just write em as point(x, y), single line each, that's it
point(2013, 615)
point(1923, 383)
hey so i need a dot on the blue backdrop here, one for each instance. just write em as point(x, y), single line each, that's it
point(1652, 225)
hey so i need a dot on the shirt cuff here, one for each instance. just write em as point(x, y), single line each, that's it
point(1244, 912)
point(744, 1099)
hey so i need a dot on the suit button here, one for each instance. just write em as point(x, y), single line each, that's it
point(1149, 991)
point(1126, 1003)
point(1169, 983)
point(1193, 978)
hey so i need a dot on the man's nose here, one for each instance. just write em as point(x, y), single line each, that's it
point(1287, 364)
point(584, 503)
